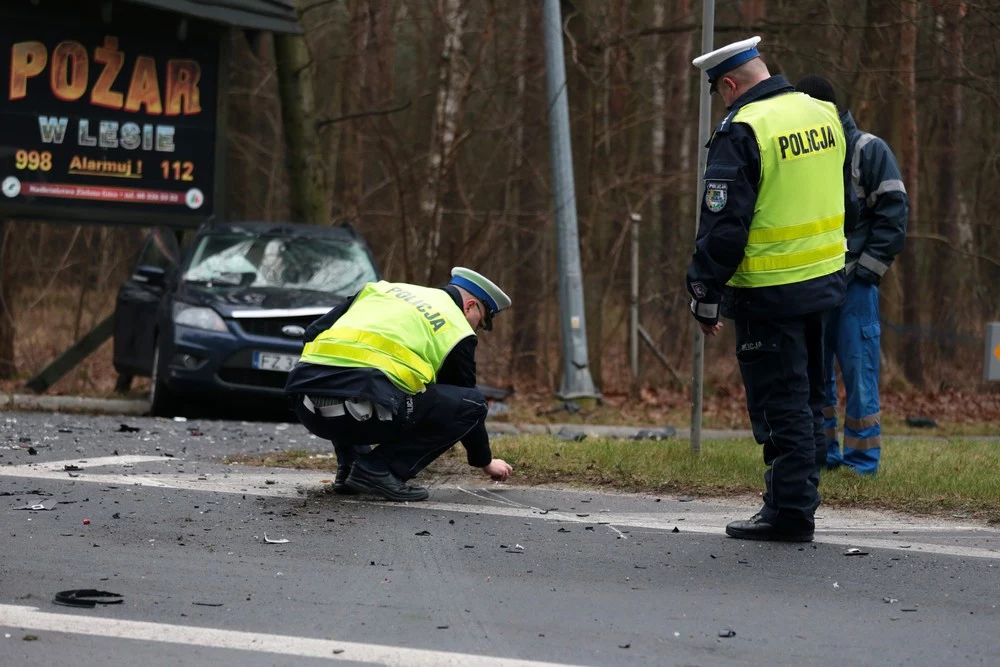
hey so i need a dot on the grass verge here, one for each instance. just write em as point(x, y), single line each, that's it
point(939, 477)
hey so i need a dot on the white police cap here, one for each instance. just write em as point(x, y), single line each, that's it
point(729, 57)
point(483, 289)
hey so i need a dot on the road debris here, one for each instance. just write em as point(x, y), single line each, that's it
point(855, 552)
point(125, 428)
point(38, 507)
point(86, 597)
point(727, 632)
point(423, 533)
point(270, 541)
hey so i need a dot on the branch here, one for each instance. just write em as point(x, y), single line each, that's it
point(361, 114)
point(941, 239)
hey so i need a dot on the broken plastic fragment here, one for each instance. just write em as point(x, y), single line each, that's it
point(86, 597)
point(270, 541)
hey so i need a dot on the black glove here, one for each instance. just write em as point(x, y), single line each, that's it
point(706, 313)
point(704, 303)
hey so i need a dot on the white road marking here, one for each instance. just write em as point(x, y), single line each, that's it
point(835, 528)
point(31, 618)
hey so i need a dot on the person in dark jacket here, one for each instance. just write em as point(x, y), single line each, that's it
point(854, 331)
point(394, 366)
point(770, 246)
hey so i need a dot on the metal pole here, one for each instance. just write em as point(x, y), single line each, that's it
point(634, 325)
point(704, 126)
point(576, 381)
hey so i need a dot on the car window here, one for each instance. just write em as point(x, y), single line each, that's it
point(335, 266)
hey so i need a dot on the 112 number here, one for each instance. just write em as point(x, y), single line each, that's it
point(177, 170)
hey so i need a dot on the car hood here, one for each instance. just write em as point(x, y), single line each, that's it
point(226, 300)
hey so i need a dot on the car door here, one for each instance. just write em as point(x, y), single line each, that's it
point(138, 300)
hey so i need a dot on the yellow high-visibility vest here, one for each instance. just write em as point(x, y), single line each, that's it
point(797, 229)
point(405, 331)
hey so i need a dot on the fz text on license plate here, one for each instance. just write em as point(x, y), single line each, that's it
point(272, 361)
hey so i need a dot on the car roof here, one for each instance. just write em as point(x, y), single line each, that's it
point(283, 229)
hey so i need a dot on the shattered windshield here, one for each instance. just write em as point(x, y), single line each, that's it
point(334, 266)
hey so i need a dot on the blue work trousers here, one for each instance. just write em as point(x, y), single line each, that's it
point(853, 336)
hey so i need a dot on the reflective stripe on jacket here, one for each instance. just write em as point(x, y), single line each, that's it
point(797, 230)
point(405, 331)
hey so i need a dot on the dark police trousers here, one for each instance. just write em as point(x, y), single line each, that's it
point(424, 428)
point(781, 362)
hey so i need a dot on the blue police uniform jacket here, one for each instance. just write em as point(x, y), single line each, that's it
point(880, 231)
point(733, 156)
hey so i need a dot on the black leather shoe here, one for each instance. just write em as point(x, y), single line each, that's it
point(384, 484)
point(761, 528)
point(340, 481)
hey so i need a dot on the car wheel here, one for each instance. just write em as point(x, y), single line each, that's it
point(162, 402)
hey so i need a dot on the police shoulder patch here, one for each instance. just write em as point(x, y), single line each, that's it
point(716, 195)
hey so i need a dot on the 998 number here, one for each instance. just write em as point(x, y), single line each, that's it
point(33, 160)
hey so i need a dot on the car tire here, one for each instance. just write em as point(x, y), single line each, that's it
point(162, 401)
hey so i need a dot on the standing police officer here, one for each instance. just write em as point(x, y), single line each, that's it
point(854, 332)
point(395, 366)
point(771, 238)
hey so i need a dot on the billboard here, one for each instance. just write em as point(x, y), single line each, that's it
point(107, 123)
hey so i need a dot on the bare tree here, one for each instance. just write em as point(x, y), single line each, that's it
point(8, 328)
point(298, 110)
point(454, 14)
point(910, 161)
point(950, 223)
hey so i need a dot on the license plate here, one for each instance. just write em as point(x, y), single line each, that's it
point(272, 361)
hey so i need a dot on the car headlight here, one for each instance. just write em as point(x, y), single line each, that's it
point(198, 317)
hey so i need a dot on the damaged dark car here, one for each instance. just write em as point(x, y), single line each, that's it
point(220, 321)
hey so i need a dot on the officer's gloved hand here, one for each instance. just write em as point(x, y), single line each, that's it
point(706, 313)
point(704, 304)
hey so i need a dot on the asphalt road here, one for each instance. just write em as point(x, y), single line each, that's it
point(481, 574)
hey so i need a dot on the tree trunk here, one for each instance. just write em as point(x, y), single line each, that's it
point(531, 229)
point(352, 162)
point(913, 365)
point(8, 328)
point(446, 116)
point(306, 177)
point(950, 264)
point(675, 204)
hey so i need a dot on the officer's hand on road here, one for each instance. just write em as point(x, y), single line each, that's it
point(498, 470)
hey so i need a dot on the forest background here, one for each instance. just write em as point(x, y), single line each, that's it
point(430, 124)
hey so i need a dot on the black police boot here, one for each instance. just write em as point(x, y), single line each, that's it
point(370, 474)
point(345, 461)
point(761, 527)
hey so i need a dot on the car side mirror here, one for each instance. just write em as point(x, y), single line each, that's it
point(154, 276)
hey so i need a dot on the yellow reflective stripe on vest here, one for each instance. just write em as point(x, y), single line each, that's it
point(370, 359)
point(383, 344)
point(792, 260)
point(814, 228)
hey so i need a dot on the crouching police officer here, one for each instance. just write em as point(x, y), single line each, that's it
point(771, 238)
point(394, 366)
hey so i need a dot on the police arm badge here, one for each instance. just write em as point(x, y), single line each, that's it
point(716, 195)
